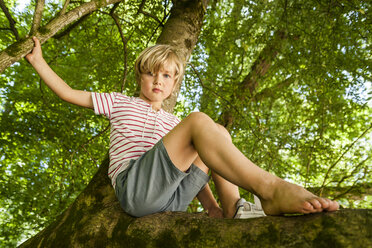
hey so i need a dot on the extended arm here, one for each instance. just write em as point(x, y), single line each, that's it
point(54, 82)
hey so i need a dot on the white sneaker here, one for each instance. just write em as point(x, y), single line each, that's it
point(247, 210)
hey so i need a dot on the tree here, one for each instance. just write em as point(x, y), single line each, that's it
point(288, 89)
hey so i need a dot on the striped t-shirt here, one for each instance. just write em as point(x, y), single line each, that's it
point(135, 127)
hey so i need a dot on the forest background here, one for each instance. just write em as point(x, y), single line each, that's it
point(291, 81)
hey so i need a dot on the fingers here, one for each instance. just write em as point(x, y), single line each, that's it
point(36, 41)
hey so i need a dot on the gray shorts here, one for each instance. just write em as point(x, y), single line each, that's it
point(153, 184)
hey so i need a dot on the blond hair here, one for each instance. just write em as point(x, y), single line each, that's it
point(154, 58)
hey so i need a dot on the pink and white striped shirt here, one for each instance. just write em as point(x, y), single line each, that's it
point(135, 127)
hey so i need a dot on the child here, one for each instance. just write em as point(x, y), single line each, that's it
point(158, 163)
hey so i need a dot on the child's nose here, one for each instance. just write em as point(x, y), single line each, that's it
point(157, 79)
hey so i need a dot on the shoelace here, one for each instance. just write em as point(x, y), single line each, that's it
point(147, 118)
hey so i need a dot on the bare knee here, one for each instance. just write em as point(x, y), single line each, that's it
point(224, 131)
point(200, 119)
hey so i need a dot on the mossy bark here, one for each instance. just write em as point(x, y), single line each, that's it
point(95, 219)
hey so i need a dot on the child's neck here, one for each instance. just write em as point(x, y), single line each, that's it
point(156, 106)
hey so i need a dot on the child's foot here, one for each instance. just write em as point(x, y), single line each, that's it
point(291, 198)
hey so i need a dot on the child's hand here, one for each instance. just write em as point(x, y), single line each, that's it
point(215, 212)
point(36, 53)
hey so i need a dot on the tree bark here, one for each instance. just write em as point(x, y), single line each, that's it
point(182, 30)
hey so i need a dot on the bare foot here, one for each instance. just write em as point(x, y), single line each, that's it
point(291, 198)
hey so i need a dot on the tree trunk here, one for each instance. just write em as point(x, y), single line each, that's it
point(182, 30)
point(95, 219)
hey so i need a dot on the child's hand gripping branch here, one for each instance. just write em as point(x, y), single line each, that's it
point(54, 82)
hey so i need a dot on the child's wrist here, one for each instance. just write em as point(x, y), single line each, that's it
point(35, 62)
point(212, 205)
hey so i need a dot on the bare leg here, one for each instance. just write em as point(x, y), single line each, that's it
point(199, 135)
point(228, 193)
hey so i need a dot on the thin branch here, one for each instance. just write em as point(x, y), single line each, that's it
point(342, 155)
point(39, 8)
point(124, 41)
point(63, 11)
point(142, 4)
point(221, 97)
point(10, 19)
point(352, 188)
point(352, 174)
point(87, 143)
point(309, 162)
point(140, 10)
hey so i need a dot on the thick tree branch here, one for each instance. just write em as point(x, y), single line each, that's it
point(259, 68)
point(264, 61)
point(10, 19)
point(71, 27)
point(272, 92)
point(37, 16)
point(96, 219)
point(20, 49)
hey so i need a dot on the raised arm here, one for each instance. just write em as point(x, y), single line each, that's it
point(54, 82)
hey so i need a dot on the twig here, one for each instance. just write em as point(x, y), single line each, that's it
point(218, 95)
point(63, 10)
point(10, 19)
point(342, 155)
point(140, 10)
point(37, 16)
point(86, 143)
point(124, 41)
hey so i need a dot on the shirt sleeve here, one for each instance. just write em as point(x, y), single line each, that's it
point(103, 103)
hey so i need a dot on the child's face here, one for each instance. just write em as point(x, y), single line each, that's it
point(157, 87)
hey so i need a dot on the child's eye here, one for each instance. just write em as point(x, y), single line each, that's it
point(167, 76)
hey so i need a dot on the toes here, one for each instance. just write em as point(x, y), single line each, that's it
point(325, 203)
point(308, 208)
point(333, 206)
point(317, 203)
